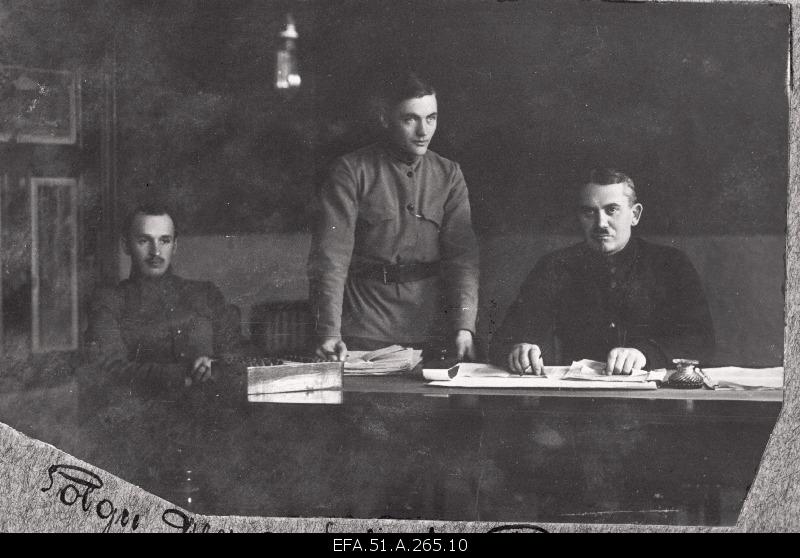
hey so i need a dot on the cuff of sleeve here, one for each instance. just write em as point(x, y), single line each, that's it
point(464, 319)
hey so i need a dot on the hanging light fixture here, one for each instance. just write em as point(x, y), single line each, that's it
point(287, 75)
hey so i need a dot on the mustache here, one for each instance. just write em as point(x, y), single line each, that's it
point(154, 259)
point(601, 231)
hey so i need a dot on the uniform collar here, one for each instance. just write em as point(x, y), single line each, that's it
point(621, 259)
point(163, 282)
point(399, 156)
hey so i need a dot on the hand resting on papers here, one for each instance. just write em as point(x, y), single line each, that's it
point(526, 358)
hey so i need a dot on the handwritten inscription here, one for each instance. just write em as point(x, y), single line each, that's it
point(79, 485)
point(184, 523)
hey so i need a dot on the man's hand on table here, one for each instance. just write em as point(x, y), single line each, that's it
point(200, 372)
point(526, 358)
point(465, 345)
point(624, 360)
point(332, 348)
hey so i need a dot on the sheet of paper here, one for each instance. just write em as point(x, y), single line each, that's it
point(734, 377)
point(596, 371)
point(478, 375)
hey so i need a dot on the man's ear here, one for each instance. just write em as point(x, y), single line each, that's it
point(174, 245)
point(123, 242)
point(637, 213)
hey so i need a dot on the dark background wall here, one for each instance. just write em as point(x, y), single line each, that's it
point(689, 98)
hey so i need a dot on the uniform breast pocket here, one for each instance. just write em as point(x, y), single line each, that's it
point(374, 214)
point(376, 229)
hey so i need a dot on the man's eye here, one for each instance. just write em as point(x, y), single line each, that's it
point(612, 210)
point(431, 119)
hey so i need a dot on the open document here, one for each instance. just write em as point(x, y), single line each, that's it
point(581, 374)
point(589, 374)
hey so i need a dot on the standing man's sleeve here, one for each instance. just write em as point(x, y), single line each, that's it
point(460, 256)
point(336, 211)
point(530, 318)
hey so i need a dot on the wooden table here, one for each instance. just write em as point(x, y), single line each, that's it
point(396, 447)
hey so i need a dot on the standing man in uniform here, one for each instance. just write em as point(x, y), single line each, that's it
point(394, 259)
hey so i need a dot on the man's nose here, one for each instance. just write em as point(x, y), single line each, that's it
point(422, 129)
point(155, 249)
point(602, 220)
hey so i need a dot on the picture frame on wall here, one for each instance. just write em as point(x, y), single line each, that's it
point(54, 260)
point(37, 106)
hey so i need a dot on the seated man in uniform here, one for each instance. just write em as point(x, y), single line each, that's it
point(394, 259)
point(612, 298)
point(155, 331)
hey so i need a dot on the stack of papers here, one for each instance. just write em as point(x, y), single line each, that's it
point(389, 360)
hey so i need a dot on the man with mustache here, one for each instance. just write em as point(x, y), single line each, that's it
point(156, 331)
point(613, 298)
point(394, 259)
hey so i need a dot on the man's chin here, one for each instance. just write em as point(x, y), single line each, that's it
point(602, 247)
point(417, 150)
point(153, 272)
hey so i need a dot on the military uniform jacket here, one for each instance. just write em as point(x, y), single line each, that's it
point(377, 207)
point(148, 332)
point(578, 303)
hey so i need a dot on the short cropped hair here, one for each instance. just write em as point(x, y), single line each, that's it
point(606, 177)
point(148, 208)
point(403, 86)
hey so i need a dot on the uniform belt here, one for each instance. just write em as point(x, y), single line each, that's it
point(399, 273)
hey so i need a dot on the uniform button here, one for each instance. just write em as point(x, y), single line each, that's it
point(410, 207)
point(179, 332)
point(613, 284)
point(409, 174)
point(612, 325)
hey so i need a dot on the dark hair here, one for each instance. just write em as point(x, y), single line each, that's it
point(606, 177)
point(148, 208)
point(402, 86)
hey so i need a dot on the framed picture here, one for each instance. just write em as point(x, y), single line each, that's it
point(37, 106)
point(54, 260)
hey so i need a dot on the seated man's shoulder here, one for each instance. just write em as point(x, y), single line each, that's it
point(108, 295)
point(661, 252)
point(198, 286)
point(558, 265)
point(566, 257)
